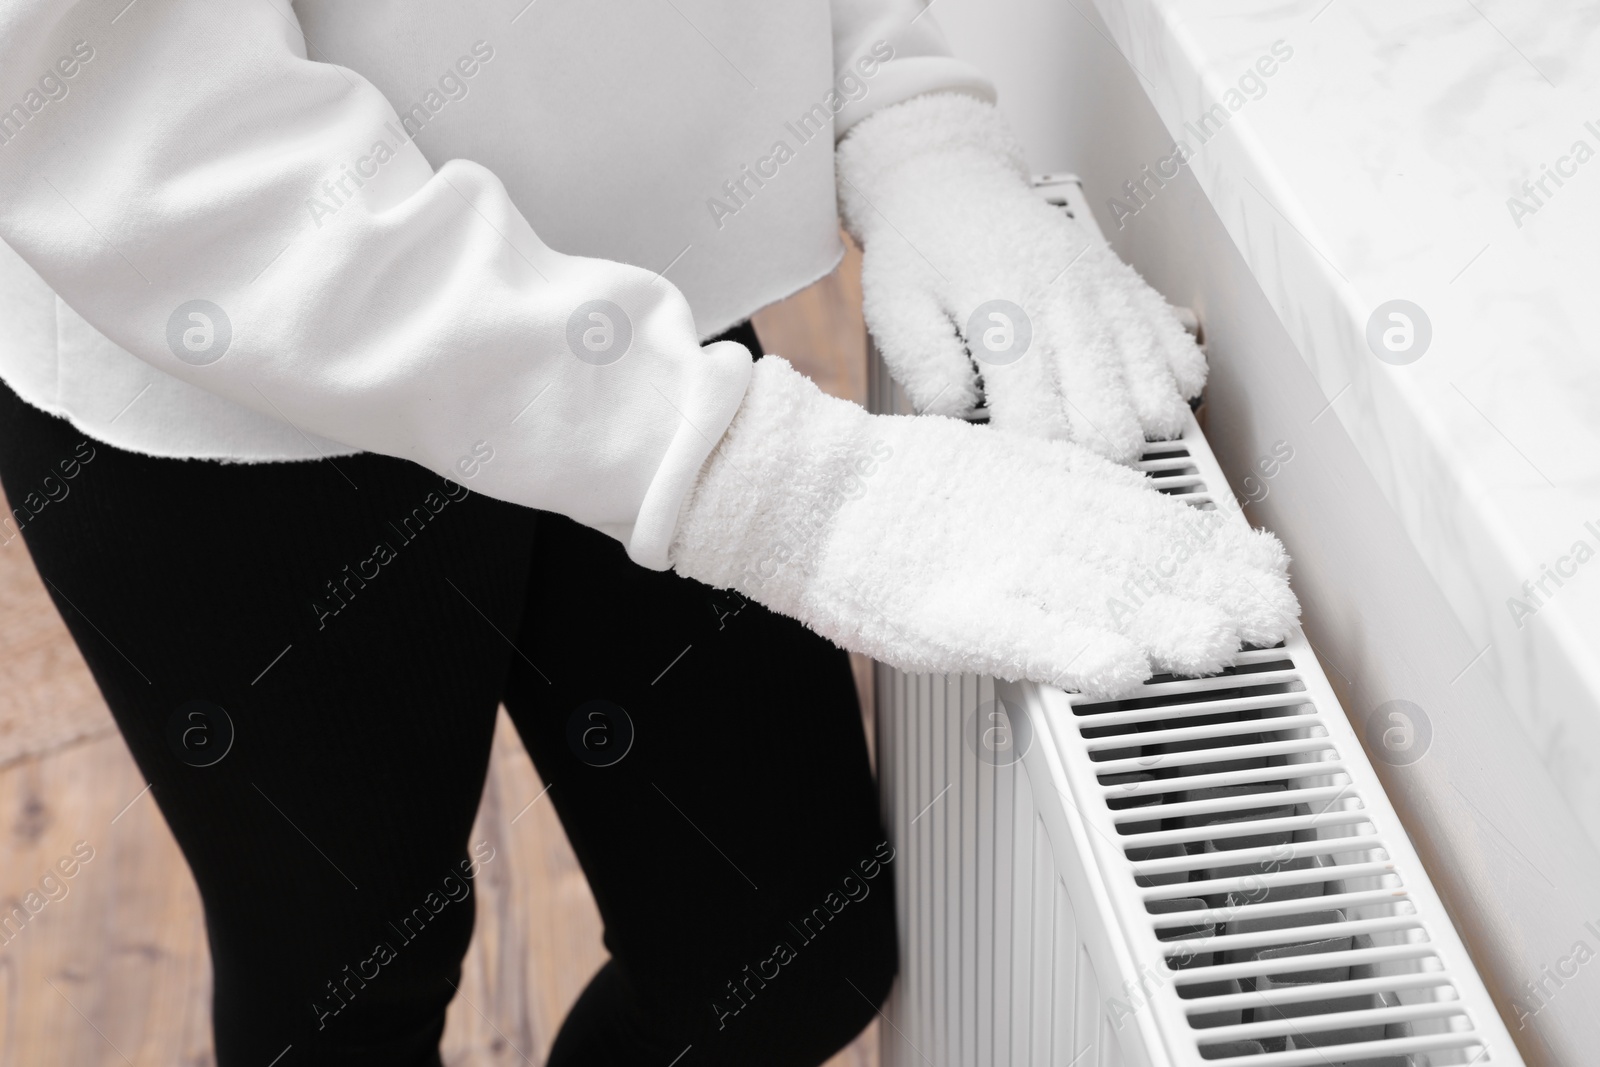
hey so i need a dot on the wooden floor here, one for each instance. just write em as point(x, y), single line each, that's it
point(113, 967)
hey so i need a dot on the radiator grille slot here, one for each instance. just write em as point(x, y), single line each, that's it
point(1172, 470)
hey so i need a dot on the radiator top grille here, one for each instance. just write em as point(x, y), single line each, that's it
point(1260, 862)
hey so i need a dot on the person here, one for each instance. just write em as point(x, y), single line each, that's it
point(381, 331)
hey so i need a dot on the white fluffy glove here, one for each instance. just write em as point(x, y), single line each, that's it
point(1066, 340)
point(937, 546)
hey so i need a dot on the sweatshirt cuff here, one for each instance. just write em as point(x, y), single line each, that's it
point(715, 399)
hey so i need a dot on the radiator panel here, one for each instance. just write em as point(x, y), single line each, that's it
point(992, 970)
point(1209, 873)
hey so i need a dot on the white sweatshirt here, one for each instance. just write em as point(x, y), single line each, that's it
point(240, 230)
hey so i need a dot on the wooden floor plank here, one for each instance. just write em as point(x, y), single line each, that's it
point(48, 698)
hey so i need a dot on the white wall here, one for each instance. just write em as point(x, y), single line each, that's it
point(1063, 84)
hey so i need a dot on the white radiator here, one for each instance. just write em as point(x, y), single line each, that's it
point(1209, 872)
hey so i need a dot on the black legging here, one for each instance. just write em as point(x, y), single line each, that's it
point(354, 620)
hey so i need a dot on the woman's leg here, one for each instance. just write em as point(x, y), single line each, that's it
point(305, 661)
point(707, 760)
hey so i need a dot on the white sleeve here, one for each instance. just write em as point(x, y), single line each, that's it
point(260, 225)
point(896, 51)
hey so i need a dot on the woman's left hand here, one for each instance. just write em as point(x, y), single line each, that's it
point(980, 294)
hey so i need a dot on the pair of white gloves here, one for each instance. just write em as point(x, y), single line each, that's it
point(1021, 550)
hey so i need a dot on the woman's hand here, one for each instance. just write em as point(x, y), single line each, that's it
point(1066, 341)
point(940, 547)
